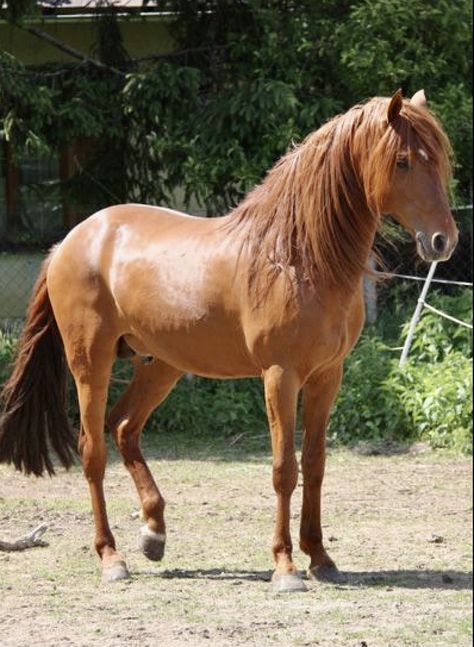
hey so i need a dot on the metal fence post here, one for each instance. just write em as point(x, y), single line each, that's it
point(416, 315)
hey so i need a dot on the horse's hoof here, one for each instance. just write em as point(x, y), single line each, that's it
point(152, 544)
point(327, 573)
point(115, 572)
point(288, 583)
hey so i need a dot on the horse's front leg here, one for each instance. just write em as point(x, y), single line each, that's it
point(281, 393)
point(319, 394)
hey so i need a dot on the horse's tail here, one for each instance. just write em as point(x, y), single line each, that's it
point(33, 418)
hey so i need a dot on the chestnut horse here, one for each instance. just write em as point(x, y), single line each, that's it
point(274, 290)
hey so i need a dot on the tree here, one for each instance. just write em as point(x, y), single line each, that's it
point(247, 78)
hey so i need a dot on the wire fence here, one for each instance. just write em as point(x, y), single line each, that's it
point(403, 262)
point(18, 273)
point(421, 303)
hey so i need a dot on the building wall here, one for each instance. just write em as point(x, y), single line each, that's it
point(142, 36)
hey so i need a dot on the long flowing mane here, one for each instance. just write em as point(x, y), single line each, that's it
point(318, 208)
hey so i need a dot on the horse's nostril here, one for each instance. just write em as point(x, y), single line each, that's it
point(439, 242)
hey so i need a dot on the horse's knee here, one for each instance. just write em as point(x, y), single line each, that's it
point(285, 474)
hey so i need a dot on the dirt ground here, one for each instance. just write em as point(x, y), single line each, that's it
point(399, 526)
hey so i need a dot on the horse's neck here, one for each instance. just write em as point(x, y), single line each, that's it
point(353, 260)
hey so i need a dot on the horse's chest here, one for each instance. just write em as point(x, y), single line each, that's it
point(308, 339)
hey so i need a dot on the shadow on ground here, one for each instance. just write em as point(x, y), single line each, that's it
point(240, 447)
point(409, 579)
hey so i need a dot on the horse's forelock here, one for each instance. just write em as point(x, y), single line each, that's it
point(416, 132)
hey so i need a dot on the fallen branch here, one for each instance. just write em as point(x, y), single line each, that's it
point(179, 52)
point(31, 540)
point(67, 49)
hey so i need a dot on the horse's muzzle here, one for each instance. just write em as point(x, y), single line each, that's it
point(438, 247)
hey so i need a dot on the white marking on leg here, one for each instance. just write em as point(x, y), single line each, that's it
point(145, 531)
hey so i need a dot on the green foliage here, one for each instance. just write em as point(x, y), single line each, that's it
point(203, 407)
point(7, 349)
point(437, 399)
point(16, 10)
point(200, 407)
point(26, 111)
point(393, 43)
point(381, 402)
point(437, 337)
point(366, 408)
point(252, 76)
point(430, 398)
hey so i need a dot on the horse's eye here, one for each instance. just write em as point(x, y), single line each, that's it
point(403, 163)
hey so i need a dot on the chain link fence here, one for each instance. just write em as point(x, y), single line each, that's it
point(18, 273)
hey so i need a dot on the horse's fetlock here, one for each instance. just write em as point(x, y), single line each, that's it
point(104, 543)
point(280, 547)
point(153, 506)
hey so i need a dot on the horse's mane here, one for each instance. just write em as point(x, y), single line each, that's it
point(318, 208)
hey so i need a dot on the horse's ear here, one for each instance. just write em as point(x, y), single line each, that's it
point(395, 106)
point(419, 99)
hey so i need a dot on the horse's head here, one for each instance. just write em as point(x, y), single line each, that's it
point(410, 170)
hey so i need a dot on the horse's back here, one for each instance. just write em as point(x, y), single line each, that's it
point(124, 234)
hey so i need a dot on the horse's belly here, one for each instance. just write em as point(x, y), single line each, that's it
point(194, 352)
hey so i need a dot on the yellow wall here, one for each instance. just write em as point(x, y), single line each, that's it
point(142, 37)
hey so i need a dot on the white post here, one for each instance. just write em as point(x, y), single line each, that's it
point(417, 313)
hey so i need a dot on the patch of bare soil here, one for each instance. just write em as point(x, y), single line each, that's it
point(399, 527)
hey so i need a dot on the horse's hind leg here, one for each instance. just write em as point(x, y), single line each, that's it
point(150, 386)
point(91, 365)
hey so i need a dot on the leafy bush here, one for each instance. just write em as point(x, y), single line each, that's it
point(437, 400)
point(430, 398)
point(435, 336)
point(366, 408)
point(213, 407)
point(255, 75)
point(7, 347)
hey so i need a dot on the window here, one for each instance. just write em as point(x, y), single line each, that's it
point(30, 198)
